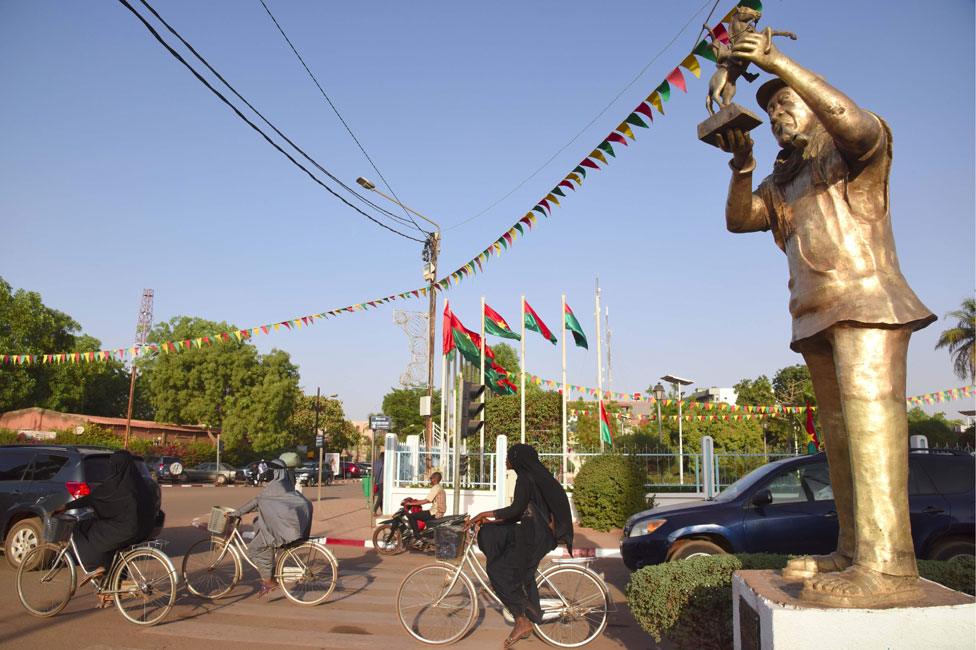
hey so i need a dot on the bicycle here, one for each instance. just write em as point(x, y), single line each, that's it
point(141, 579)
point(437, 603)
point(306, 570)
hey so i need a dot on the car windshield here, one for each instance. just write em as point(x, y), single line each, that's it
point(736, 489)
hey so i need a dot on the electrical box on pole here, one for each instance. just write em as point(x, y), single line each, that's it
point(472, 409)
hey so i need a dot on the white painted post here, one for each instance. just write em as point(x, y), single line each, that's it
point(413, 444)
point(501, 451)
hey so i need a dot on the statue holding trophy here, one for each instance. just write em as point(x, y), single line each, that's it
point(827, 205)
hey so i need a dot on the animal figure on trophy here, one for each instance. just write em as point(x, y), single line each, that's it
point(728, 68)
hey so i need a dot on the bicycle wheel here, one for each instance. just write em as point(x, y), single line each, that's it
point(387, 540)
point(436, 604)
point(45, 580)
point(144, 586)
point(211, 568)
point(574, 606)
point(307, 574)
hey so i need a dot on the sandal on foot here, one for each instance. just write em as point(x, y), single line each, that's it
point(267, 589)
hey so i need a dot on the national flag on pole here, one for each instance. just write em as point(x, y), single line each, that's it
point(573, 326)
point(534, 323)
point(496, 325)
point(447, 330)
point(813, 443)
point(606, 435)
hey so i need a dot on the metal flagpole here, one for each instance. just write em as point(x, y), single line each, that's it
point(522, 388)
point(458, 387)
point(565, 392)
point(443, 383)
point(484, 396)
point(599, 367)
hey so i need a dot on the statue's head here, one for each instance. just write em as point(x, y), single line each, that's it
point(792, 121)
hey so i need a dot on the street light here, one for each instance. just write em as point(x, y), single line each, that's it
point(658, 396)
point(678, 381)
point(432, 247)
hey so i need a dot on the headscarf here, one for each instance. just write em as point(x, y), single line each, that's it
point(285, 512)
point(525, 461)
point(124, 495)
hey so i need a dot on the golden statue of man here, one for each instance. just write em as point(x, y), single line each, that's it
point(827, 204)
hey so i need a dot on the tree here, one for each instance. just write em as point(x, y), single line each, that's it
point(225, 385)
point(506, 357)
point(403, 405)
point(939, 431)
point(543, 419)
point(27, 326)
point(755, 391)
point(301, 424)
point(961, 340)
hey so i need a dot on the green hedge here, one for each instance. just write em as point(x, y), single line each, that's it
point(690, 602)
point(608, 489)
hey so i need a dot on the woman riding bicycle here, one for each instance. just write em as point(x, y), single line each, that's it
point(523, 533)
point(125, 514)
point(284, 516)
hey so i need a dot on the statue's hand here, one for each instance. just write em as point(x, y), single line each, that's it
point(759, 49)
point(738, 143)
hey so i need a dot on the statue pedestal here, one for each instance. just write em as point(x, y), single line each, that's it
point(767, 613)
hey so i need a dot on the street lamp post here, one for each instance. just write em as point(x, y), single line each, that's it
point(432, 247)
point(678, 381)
point(658, 396)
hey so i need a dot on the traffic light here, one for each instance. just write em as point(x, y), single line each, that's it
point(472, 409)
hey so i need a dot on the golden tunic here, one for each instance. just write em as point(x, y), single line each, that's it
point(831, 217)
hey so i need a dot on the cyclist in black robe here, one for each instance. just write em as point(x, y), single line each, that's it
point(125, 514)
point(519, 537)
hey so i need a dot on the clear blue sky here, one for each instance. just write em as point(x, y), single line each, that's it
point(119, 171)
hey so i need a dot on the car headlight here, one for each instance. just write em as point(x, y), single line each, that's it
point(646, 527)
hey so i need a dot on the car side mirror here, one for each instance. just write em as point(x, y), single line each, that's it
point(761, 498)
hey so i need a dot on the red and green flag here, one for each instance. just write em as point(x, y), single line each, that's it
point(534, 323)
point(496, 325)
point(606, 434)
point(447, 330)
point(813, 443)
point(573, 326)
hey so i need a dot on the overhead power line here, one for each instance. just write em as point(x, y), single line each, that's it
point(588, 124)
point(250, 123)
point(339, 115)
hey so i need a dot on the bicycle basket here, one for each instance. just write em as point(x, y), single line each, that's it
point(57, 529)
point(449, 542)
point(218, 520)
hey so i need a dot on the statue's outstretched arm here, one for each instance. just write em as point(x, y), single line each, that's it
point(744, 211)
point(854, 130)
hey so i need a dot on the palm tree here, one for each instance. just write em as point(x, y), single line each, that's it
point(961, 340)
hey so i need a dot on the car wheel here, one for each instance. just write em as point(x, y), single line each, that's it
point(220, 480)
point(21, 540)
point(685, 550)
point(953, 548)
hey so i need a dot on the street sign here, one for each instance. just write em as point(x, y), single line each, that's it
point(380, 422)
point(319, 440)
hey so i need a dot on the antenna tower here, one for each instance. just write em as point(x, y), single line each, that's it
point(415, 325)
point(143, 325)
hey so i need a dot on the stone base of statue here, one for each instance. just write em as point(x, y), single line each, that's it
point(767, 613)
point(732, 116)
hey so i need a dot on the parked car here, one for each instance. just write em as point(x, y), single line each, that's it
point(57, 474)
point(166, 468)
point(308, 474)
point(788, 507)
point(349, 469)
point(210, 473)
point(365, 469)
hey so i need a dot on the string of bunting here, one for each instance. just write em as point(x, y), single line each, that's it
point(727, 417)
point(936, 397)
point(621, 136)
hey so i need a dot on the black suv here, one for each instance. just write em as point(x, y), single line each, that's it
point(61, 472)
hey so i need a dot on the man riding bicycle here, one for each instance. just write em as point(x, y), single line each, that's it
point(284, 517)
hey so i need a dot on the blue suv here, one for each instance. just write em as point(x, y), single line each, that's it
point(788, 507)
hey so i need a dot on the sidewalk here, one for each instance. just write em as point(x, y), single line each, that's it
point(343, 516)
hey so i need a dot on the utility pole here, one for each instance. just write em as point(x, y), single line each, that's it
point(143, 325)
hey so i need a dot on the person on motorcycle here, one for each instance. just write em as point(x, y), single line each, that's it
point(284, 516)
point(437, 499)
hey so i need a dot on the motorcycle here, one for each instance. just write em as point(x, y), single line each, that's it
point(393, 536)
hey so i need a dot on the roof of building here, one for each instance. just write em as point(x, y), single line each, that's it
point(99, 419)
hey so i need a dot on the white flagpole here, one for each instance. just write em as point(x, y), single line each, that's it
point(565, 392)
point(484, 396)
point(599, 368)
point(522, 387)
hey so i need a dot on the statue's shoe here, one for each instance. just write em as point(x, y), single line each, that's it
point(807, 566)
point(860, 587)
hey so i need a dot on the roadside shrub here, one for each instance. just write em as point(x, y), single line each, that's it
point(93, 435)
point(8, 437)
point(609, 489)
point(690, 602)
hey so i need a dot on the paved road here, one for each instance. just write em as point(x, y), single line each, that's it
point(359, 614)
